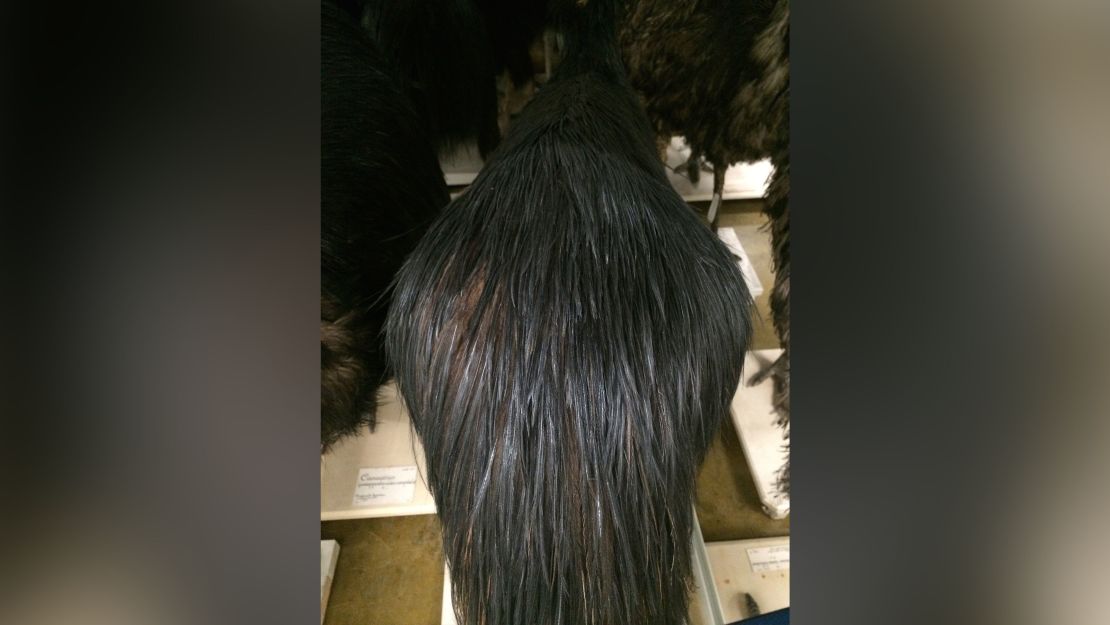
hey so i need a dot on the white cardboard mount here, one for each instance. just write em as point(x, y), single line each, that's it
point(753, 414)
point(391, 444)
point(734, 576)
point(731, 240)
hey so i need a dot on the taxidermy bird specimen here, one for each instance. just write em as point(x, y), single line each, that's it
point(567, 338)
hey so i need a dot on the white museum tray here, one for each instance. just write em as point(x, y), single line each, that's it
point(729, 238)
point(379, 473)
point(762, 440)
point(759, 567)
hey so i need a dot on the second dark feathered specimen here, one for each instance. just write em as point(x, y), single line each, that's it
point(691, 62)
point(771, 101)
point(381, 188)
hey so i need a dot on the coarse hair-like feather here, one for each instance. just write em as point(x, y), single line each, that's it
point(381, 186)
point(567, 338)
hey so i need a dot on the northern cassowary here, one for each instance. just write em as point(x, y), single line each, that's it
point(567, 338)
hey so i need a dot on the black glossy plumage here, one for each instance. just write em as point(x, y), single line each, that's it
point(381, 187)
point(443, 52)
point(567, 338)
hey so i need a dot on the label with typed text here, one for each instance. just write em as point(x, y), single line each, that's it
point(769, 558)
point(378, 486)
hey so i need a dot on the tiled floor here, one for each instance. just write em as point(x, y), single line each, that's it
point(390, 570)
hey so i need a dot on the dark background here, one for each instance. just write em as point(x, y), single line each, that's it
point(160, 283)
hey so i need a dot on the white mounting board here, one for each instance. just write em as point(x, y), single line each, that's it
point(391, 444)
point(762, 440)
point(734, 575)
point(329, 556)
point(704, 605)
point(751, 278)
point(743, 181)
point(461, 166)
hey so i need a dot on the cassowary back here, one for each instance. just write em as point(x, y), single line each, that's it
point(567, 338)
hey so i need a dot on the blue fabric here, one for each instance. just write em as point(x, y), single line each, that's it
point(778, 617)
